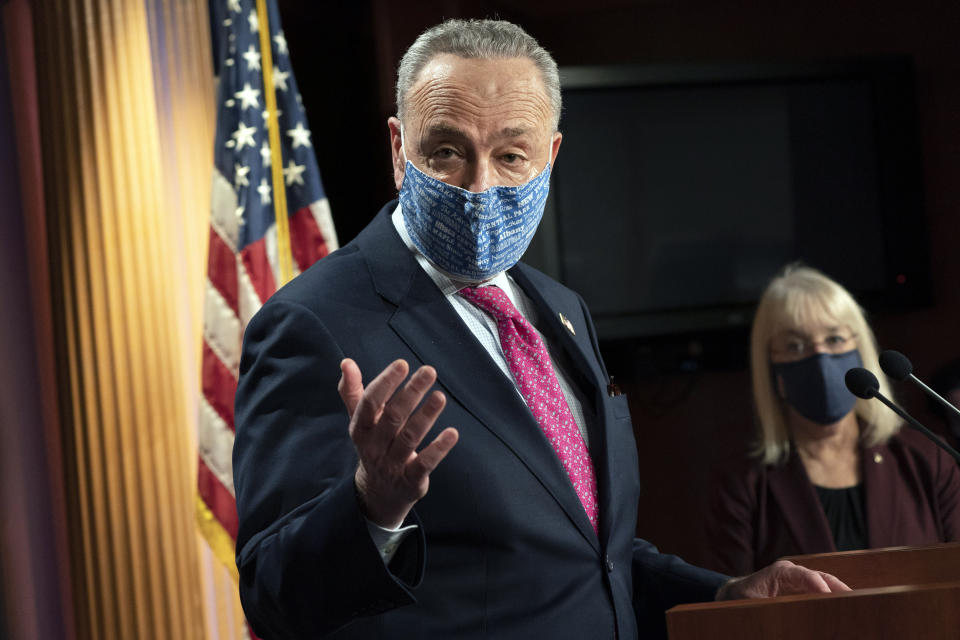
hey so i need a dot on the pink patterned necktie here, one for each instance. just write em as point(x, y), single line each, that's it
point(531, 368)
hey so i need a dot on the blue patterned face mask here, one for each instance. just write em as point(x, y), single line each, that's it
point(815, 387)
point(471, 236)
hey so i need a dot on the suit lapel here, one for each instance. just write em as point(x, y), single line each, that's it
point(797, 499)
point(432, 329)
point(573, 339)
point(881, 496)
point(585, 370)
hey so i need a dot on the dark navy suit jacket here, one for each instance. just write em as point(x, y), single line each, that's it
point(504, 548)
point(760, 513)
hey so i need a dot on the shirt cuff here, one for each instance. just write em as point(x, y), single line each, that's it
point(388, 541)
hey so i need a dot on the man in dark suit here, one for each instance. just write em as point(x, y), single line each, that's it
point(517, 518)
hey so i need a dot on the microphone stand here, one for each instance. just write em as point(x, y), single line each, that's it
point(914, 379)
point(919, 427)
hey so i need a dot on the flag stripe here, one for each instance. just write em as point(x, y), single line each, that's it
point(221, 269)
point(221, 328)
point(215, 441)
point(306, 240)
point(259, 268)
point(321, 213)
point(223, 210)
point(249, 299)
point(219, 385)
point(218, 500)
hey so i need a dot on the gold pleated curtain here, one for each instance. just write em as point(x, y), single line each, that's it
point(126, 102)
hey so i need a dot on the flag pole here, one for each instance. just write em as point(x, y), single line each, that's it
point(284, 257)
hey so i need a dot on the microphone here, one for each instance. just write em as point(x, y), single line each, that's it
point(897, 366)
point(863, 384)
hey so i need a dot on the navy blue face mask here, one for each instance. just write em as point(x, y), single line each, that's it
point(814, 386)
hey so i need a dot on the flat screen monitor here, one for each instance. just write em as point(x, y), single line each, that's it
point(680, 190)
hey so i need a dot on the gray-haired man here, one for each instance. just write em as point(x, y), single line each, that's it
point(516, 518)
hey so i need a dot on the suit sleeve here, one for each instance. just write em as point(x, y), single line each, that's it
point(306, 560)
point(730, 522)
point(662, 581)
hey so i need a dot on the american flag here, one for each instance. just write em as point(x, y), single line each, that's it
point(247, 248)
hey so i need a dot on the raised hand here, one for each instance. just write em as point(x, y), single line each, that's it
point(386, 431)
point(782, 578)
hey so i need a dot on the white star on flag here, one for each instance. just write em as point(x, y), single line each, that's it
point(234, 5)
point(264, 191)
point(254, 22)
point(281, 43)
point(240, 176)
point(299, 136)
point(265, 154)
point(244, 135)
point(293, 172)
point(252, 56)
point(280, 78)
point(248, 96)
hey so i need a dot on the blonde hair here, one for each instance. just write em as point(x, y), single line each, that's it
point(800, 296)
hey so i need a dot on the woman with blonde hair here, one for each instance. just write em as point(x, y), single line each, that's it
point(830, 472)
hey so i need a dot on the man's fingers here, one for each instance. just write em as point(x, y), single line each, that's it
point(430, 456)
point(401, 430)
point(782, 578)
point(350, 385)
point(394, 430)
point(798, 579)
point(834, 583)
point(375, 396)
point(814, 583)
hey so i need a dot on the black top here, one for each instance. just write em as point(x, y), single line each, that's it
point(845, 514)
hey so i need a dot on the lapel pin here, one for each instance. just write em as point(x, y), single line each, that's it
point(613, 389)
point(567, 324)
point(877, 458)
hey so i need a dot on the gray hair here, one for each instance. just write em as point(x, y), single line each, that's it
point(486, 39)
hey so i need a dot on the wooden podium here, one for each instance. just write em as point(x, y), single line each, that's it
point(900, 592)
